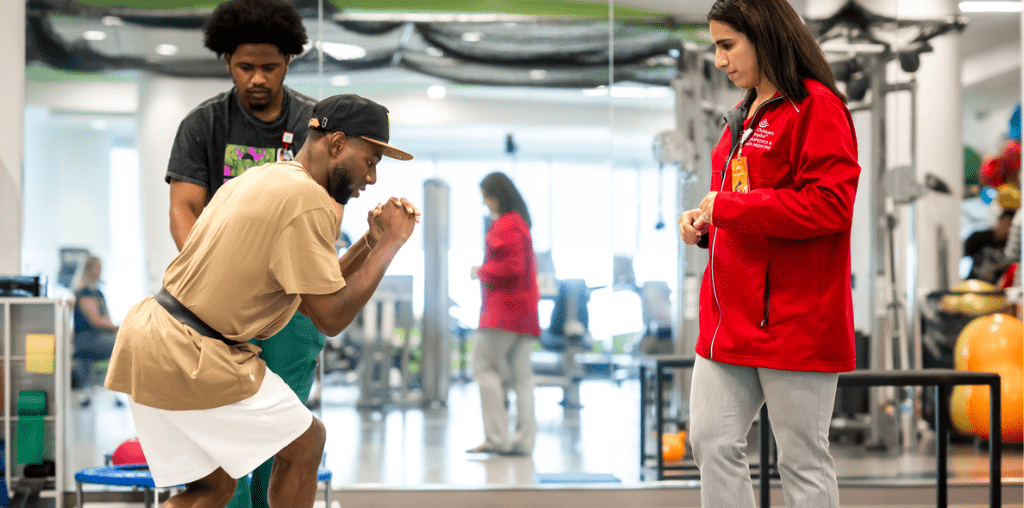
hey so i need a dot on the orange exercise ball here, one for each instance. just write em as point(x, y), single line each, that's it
point(1012, 403)
point(997, 339)
point(128, 453)
point(672, 448)
point(958, 410)
point(961, 350)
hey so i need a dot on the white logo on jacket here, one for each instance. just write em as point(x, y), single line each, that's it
point(762, 137)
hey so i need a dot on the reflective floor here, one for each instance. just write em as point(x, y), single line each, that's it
point(405, 445)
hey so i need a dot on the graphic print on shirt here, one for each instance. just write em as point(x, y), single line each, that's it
point(238, 158)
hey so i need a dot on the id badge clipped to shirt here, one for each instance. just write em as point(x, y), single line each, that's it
point(740, 182)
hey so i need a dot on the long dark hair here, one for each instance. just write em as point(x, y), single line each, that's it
point(500, 187)
point(786, 50)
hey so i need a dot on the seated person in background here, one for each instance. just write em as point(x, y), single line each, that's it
point(986, 249)
point(94, 332)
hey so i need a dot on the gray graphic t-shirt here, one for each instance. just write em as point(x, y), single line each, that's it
point(220, 140)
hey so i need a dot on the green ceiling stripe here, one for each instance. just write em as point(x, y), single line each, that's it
point(520, 7)
point(39, 72)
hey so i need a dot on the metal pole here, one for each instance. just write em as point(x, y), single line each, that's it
point(437, 350)
point(941, 441)
point(764, 470)
point(876, 268)
point(995, 443)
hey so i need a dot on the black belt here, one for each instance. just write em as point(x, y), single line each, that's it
point(179, 311)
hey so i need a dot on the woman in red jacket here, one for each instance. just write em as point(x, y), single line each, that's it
point(508, 320)
point(776, 313)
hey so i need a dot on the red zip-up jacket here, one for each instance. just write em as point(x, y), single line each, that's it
point(508, 278)
point(776, 292)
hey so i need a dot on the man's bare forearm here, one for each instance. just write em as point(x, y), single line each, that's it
point(354, 257)
point(345, 304)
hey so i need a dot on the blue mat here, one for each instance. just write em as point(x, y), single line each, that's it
point(574, 478)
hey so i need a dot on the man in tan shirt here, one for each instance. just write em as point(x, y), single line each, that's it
point(206, 408)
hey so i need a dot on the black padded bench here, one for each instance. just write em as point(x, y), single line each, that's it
point(943, 380)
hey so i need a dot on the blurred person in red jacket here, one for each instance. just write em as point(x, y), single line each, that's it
point(776, 312)
point(508, 320)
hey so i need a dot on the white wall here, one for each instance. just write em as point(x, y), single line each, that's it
point(163, 102)
point(66, 190)
point(985, 131)
point(12, 132)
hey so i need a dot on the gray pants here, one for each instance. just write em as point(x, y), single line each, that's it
point(724, 399)
point(501, 360)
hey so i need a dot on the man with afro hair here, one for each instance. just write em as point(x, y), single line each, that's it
point(258, 121)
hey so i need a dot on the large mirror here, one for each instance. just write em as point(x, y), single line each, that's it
point(603, 115)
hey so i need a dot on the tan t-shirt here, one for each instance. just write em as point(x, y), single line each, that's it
point(265, 238)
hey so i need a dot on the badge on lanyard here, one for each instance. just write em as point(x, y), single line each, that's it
point(285, 153)
point(740, 183)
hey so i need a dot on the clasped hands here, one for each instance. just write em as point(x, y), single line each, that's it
point(397, 215)
point(694, 223)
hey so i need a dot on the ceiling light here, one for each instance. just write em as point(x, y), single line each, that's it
point(437, 92)
point(339, 51)
point(434, 52)
point(94, 35)
point(340, 80)
point(994, 6)
point(600, 91)
point(538, 74)
point(100, 125)
point(112, 21)
point(166, 49)
point(674, 53)
point(471, 36)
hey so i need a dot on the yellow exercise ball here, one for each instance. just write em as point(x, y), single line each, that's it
point(1008, 196)
point(973, 286)
point(958, 410)
point(973, 298)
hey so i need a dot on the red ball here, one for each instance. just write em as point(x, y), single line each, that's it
point(129, 453)
point(990, 173)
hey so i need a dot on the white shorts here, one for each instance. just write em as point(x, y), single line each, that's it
point(185, 446)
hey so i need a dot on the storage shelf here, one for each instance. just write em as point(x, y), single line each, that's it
point(24, 300)
point(20, 316)
point(48, 418)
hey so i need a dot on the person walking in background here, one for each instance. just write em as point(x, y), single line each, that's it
point(508, 320)
point(776, 311)
point(94, 331)
point(257, 122)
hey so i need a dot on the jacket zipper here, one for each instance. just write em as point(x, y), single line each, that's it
point(721, 188)
point(765, 322)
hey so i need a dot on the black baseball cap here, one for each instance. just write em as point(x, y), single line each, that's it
point(356, 116)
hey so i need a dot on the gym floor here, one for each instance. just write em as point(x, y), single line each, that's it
point(402, 446)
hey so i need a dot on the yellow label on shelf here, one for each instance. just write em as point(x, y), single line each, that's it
point(39, 353)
